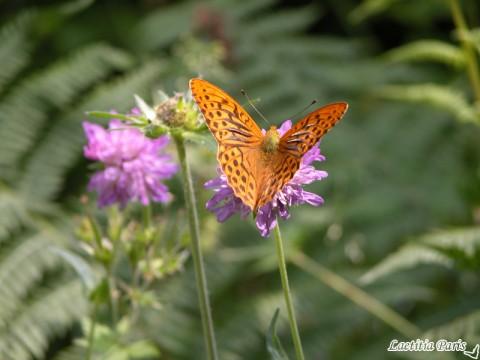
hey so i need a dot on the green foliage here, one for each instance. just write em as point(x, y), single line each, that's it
point(41, 140)
point(15, 49)
point(443, 97)
point(452, 248)
point(428, 50)
point(274, 346)
point(396, 170)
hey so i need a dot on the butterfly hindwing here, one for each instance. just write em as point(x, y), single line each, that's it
point(276, 175)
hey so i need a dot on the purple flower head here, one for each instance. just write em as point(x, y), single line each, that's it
point(133, 164)
point(224, 203)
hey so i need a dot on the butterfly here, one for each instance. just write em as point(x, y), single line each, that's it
point(258, 165)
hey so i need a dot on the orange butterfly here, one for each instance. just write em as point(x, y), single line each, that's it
point(257, 166)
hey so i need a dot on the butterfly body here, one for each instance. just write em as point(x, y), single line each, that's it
point(258, 165)
point(271, 140)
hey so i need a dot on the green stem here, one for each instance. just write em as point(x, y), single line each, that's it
point(357, 295)
point(91, 332)
point(113, 302)
point(112, 284)
point(282, 266)
point(97, 233)
point(472, 65)
point(147, 216)
point(207, 322)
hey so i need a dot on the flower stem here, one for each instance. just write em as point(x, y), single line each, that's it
point(472, 65)
point(355, 294)
point(91, 332)
point(112, 290)
point(147, 216)
point(288, 295)
point(207, 322)
point(112, 284)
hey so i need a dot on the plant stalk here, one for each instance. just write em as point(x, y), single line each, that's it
point(190, 203)
point(147, 216)
point(472, 65)
point(357, 295)
point(282, 266)
point(91, 332)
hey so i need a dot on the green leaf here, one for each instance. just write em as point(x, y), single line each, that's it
point(448, 248)
point(442, 97)
point(202, 139)
point(406, 257)
point(274, 345)
point(369, 8)
point(81, 267)
point(100, 294)
point(143, 349)
point(146, 109)
point(109, 115)
point(428, 50)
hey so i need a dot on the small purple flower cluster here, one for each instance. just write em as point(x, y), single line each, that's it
point(133, 164)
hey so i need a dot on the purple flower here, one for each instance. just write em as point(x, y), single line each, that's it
point(133, 165)
point(224, 203)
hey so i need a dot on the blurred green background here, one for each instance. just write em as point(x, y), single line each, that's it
point(402, 200)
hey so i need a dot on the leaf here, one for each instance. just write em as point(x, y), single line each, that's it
point(109, 115)
point(274, 346)
point(448, 248)
point(201, 139)
point(428, 50)
point(81, 267)
point(442, 97)
point(145, 108)
point(406, 257)
point(369, 8)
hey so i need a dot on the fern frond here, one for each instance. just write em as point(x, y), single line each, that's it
point(167, 23)
point(465, 327)
point(44, 173)
point(428, 50)
point(27, 108)
point(369, 8)
point(22, 264)
point(13, 213)
point(279, 24)
point(447, 248)
point(245, 9)
point(472, 36)
point(439, 96)
point(406, 257)
point(14, 47)
point(51, 313)
point(462, 245)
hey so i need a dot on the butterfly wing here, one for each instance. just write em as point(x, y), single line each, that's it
point(238, 138)
point(294, 144)
point(308, 131)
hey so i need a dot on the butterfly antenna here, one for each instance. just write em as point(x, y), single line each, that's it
point(244, 93)
point(304, 109)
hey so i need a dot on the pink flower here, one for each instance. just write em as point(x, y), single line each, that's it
point(133, 164)
point(224, 203)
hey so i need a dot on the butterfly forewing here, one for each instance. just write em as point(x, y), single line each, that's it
point(237, 135)
point(225, 118)
point(308, 131)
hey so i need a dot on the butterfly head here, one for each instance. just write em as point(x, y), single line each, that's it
point(271, 140)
